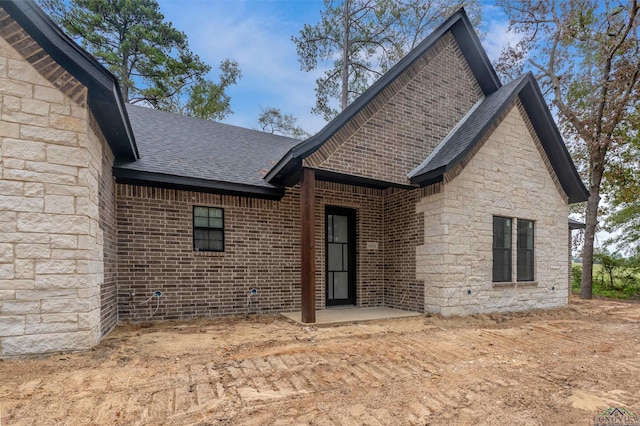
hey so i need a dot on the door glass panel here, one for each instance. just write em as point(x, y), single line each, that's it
point(330, 228)
point(340, 229)
point(335, 257)
point(341, 285)
point(330, 284)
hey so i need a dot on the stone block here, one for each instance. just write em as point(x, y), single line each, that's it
point(90, 267)
point(66, 122)
point(67, 155)
point(24, 237)
point(53, 327)
point(23, 71)
point(23, 149)
point(72, 254)
point(21, 204)
point(26, 175)
point(13, 284)
point(12, 326)
point(45, 294)
point(43, 343)
point(24, 118)
point(50, 94)
point(16, 88)
point(25, 268)
point(68, 305)
point(60, 109)
point(20, 307)
point(6, 253)
point(77, 191)
point(7, 294)
point(55, 266)
point(63, 204)
point(50, 223)
point(45, 167)
point(32, 251)
point(33, 189)
point(10, 130)
point(11, 188)
point(34, 106)
point(89, 320)
point(65, 241)
point(65, 281)
point(6, 271)
point(49, 135)
point(48, 318)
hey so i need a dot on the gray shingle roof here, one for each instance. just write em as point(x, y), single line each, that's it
point(463, 137)
point(180, 146)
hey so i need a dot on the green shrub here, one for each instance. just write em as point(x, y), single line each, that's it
point(576, 277)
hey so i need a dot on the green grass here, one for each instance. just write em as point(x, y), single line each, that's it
point(626, 283)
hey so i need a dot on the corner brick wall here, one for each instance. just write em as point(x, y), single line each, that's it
point(507, 176)
point(51, 265)
point(404, 232)
point(404, 123)
point(107, 225)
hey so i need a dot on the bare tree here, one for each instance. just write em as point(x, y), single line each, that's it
point(586, 57)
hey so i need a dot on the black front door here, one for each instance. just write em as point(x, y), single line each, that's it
point(340, 256)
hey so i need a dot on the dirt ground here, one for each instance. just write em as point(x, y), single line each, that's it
point(561, 366)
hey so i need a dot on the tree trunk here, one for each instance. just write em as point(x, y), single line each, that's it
point(345, 58)
point(591, 220)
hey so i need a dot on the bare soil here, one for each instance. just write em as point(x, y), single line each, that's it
point(561, 366)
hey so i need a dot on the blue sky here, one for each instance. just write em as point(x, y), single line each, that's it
point(257, 33)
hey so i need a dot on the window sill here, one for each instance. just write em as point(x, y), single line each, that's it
point(208, 253)
point(516, 284)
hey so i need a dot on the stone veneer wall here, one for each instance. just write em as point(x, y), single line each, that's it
point(262, 251)
point(508, 176)
point(404, 123)
point(50, 242)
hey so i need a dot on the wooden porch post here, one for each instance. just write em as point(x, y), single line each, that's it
point(308, 244)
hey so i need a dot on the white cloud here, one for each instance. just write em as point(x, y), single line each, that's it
point(496, 26)
point(258, 36)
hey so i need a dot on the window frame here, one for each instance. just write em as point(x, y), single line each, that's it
point(522, 251)
point(208, 228)
point(509, 273)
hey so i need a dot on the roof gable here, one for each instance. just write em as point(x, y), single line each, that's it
point(285, 171)
point(44, 44)
point(405, 121)
point(464, 138)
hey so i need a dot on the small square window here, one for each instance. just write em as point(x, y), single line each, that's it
point(208, 229)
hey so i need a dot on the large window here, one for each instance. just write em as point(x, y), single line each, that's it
point(208, 229)
point(501, 249)
point(525, 250)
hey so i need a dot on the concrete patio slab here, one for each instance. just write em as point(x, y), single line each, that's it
point(345, 315)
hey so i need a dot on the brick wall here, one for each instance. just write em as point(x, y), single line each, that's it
point(50, 241)
point(262, 251)
point(402, 125)
point(404, 231)
point(507, 176)
point(155, 253)
point(107, 206)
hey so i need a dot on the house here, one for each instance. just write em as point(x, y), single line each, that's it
point(439, 190)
